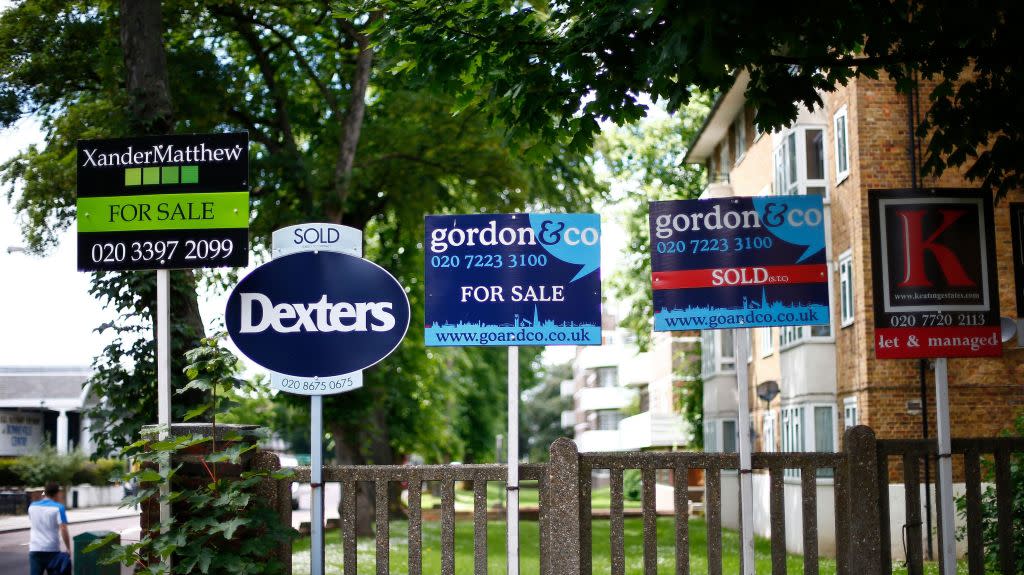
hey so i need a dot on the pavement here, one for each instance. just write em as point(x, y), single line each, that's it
point(10, 523)
point(14, 533)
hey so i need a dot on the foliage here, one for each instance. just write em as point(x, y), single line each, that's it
point(8, 478)
point(540, 417)
point(286, 76)
point(557, 69)
point(646, 160)
point(690, 397)
point(632, 485)
point(221, 526)
point(45, 464)
point(990, 507)
point(259, 405)
point(99, 473)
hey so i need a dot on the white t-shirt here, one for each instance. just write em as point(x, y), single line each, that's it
point(46, 515)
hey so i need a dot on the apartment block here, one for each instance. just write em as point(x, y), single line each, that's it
point(826, 378)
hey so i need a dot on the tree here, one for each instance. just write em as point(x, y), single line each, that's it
point(557, 69)
point(646, 162)
point(310, 91)
point(541, 413)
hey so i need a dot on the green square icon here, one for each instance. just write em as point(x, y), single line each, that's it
point(150, 176)
point(132, 176)
point(169, 175)
point(190, 174)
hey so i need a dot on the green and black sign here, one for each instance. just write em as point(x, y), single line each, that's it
point(163, 202)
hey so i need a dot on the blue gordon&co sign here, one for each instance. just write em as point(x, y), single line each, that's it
point(738, 262)
point(513, 279)
point(317, 314)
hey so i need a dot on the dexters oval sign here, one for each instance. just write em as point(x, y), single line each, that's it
point(317, 314)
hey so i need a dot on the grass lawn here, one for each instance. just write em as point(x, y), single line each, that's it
point(529, 549)
point(528, 496)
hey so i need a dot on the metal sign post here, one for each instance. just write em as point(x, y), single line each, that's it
point(316, 485)
point(316, 316)
point(947, 540)
point(741, 345)
point(163, 380)
point(512, 512)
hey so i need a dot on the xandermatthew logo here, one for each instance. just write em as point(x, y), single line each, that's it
point(161, 154)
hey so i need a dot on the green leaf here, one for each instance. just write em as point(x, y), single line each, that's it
point(196, 412)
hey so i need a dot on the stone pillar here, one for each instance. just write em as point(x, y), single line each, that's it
point(561, 529)
point(62, 432)
point(271, 493)
point(865, 547)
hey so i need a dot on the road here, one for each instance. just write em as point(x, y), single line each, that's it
point(14, 545)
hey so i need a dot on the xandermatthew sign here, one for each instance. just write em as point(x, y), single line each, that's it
point(163, 202)
point(317, 315)
point(738, 262)
point(513, 279)
point(934, 274)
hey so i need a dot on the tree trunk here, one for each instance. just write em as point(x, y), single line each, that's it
point(346, 451)
point(146, 81)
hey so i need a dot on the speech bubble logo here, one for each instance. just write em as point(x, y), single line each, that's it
point(572, 238)
point(798, 220)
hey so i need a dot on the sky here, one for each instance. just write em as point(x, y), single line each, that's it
point(49, 316)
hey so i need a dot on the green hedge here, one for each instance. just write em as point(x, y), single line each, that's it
point(46, 465)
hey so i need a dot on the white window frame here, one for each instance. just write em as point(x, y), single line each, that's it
point(712, 360)
point(740, 137)
point(842, 154)
point(765, 341)
point(781, 160)
point(846, 286)
point(851, 413)
point(800, 434)
point(768, 432)
point(735, 435)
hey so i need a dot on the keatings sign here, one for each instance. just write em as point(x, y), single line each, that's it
point(163, 202)
point(934, 273)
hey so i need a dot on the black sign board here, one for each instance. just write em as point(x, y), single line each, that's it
point(934, 274)
point(163, 202)
point(1017, 232)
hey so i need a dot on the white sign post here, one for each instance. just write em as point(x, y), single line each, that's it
point(313, 238)
point(741, 346)
point(512, 512)
point(945, 468)
point(163, 380)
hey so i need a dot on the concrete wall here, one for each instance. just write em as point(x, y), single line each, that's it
point(826, 514)
point(93, 496)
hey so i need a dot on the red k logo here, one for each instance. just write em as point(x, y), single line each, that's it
point(915, 245)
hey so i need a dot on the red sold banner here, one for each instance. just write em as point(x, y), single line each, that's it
point(934, 274)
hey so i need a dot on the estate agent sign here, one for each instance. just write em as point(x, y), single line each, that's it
point(513, 279)
point(163, 202)
point(738, 262)
point(318, 315)
point(934, 274)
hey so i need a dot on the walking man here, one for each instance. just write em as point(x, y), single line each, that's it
point(48, 519)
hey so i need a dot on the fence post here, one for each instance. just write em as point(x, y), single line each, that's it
point(562, 517)
point(864, 520)
point(277, 493)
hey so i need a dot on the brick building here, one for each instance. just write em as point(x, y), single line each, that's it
point(827, 376)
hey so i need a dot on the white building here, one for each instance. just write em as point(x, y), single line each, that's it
point(40, 404)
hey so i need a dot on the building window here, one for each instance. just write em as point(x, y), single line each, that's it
point(729, 437)
point(846, 288)
point(768, 432)
point(850, 416)
point(809, 428)
point(607, 377)
point(764, 337)
point(792, 434)
point(739, 133)
point(842, 146)
point(716, 354)
point(608, 419)
point(723, 161)
point(710, 436)
point(800, 163)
